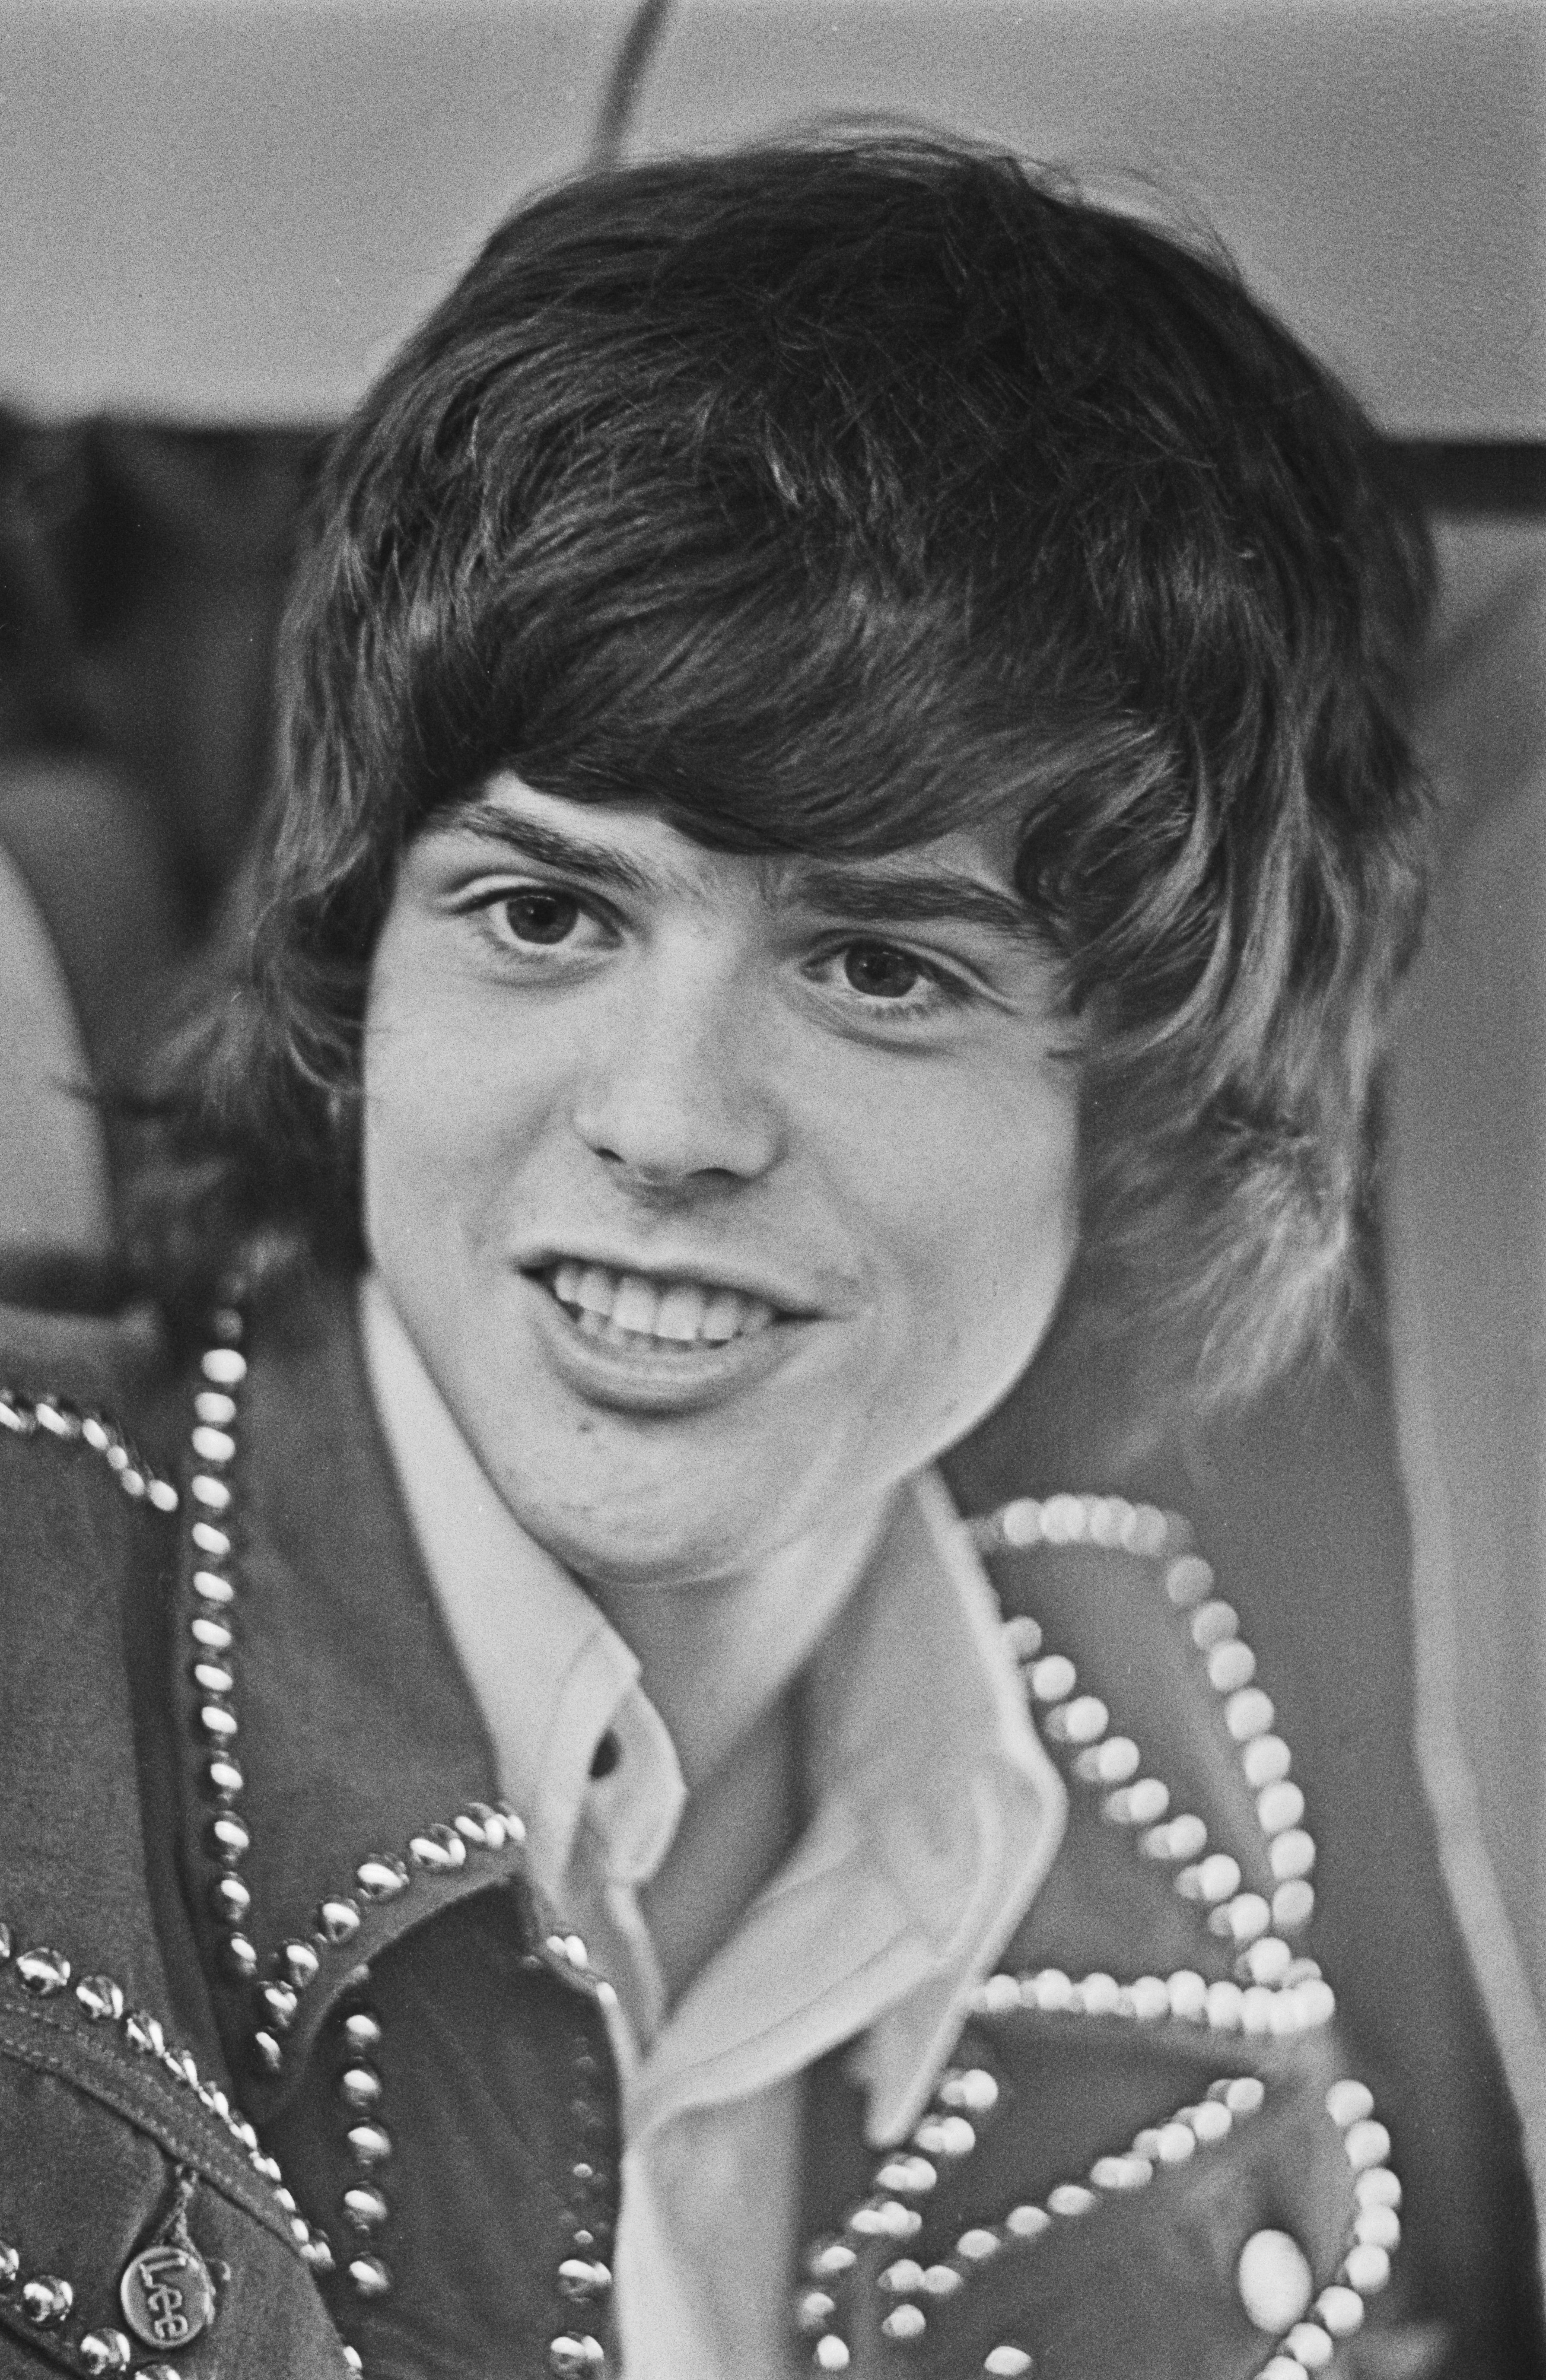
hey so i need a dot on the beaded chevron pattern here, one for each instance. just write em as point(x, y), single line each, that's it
point(1276, 1992)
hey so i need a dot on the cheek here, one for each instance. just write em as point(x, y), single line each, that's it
point(984, 1221)
point(441, 1119)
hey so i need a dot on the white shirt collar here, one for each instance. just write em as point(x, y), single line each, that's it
point(549, 1673)
point(937, 1811)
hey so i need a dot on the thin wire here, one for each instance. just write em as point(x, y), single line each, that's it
point(625, 83)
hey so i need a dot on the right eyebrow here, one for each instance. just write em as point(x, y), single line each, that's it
point(909, 895)
point(567, 854)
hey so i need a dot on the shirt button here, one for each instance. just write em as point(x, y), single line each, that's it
point(604, 1759)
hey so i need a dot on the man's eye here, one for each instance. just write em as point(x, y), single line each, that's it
point(538, 915)
point(881, 972)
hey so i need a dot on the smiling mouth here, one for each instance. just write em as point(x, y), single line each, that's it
point(628, 1310)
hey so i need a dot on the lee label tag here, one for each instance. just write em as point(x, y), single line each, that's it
point(167, 2295)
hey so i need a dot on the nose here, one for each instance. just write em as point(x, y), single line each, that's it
point(678, 1093)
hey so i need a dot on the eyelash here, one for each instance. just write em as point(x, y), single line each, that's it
point(947, 989)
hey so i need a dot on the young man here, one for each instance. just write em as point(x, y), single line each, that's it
point(844, 797)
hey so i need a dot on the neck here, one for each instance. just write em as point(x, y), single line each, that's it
point(716, 1660)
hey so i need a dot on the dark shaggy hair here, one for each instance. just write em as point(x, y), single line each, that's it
point(827, 496)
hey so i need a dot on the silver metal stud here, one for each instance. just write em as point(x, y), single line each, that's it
point(581, 2280)
point(230, 1898)
point(371, 2143)
point(300, 1963)
point(365, 2206)
point(42, 1972)
point(382, 1877)
point(101, 1998)
point(576, 2359)
point(229, 1837)
point(105, 2351)
point(281, 2001)
point(239, 1958)
point(337, 1921)
point(370, 2276)
point(46, 2300)
point(438, 1849)
point(266, 2050)
point(481, 1824)
point(360, 2087)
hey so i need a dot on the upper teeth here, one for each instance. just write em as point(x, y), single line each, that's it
point(679, 1310)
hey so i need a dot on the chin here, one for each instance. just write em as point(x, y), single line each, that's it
point(627, 1553)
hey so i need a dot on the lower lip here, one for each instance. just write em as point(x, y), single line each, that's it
point(652, 1375)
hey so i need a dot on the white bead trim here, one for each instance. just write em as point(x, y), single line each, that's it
point(57, 1418)
point(1110, 1522)
point(1254, 1923)
point(1302, 2003)
point(1310, 2345)
point(916, 2286)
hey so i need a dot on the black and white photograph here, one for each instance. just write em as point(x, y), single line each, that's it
point(773, 1189)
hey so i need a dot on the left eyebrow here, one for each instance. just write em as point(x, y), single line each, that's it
point(912, 896)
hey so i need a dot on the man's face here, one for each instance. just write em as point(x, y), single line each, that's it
point(717, 1193)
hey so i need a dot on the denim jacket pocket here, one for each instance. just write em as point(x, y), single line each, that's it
point(117, 2159)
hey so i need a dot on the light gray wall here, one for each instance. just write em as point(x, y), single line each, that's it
point(231, 209)
point(1378, 166)
point(1465, 1230)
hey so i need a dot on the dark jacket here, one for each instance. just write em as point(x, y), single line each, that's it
point(137, 2113)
